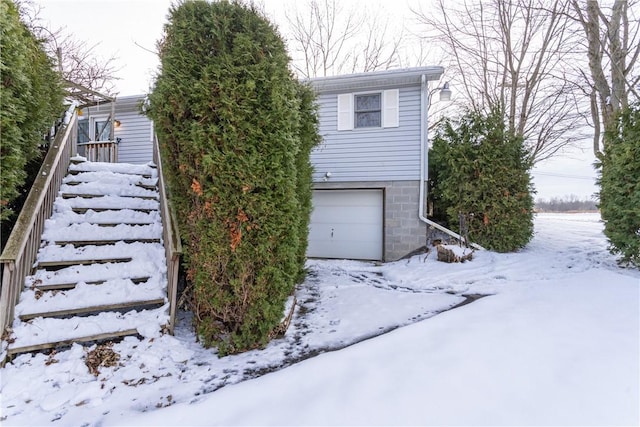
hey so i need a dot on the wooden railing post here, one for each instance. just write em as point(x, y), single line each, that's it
point(20, 252)
point(171, 238)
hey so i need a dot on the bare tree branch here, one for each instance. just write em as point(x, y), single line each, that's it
point(328, 39)
point(77, 60)
point(612, 49)
point(512, 56)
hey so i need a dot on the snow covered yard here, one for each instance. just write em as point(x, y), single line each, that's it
point(556, 343)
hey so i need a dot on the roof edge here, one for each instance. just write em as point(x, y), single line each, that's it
point(374, 79)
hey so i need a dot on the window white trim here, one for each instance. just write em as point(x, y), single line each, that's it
point(390, 109)
point(345, 111)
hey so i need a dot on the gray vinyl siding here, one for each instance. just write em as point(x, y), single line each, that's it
point(136, 145)
point(389, 154)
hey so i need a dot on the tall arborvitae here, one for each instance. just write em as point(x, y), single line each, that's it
point(620, 187)
point(309, 138)
point(483, 176)
point(31, 97)
point(235, 130)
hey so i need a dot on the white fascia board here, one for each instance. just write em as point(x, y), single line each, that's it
point(376, 79)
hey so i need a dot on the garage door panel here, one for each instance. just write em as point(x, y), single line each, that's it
point(339, 216)
point(346, 224)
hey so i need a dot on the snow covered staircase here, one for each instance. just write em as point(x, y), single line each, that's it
point(101, 271)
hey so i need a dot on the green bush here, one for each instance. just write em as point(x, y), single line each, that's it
point(309, 138)
point(31, 98)
point(235, 130)
point(620, 187)
point(481, 171)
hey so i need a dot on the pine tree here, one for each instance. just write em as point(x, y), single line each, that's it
point(481, 172)
point(620, 187)
point(31, 98)
point(235, 129)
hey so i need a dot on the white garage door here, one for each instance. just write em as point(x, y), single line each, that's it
point(346, 224)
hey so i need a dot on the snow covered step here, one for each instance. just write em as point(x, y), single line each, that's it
point(85, 210)
point(44, 333)
point(91, 273)
point(66, 217)
point(124, 305)
point(145, 175)
point(82, 296)
point(78, 243)
point(147, 170)
point(92, 196)
point(72, 285)
point(152, 187)
point(108, 177)
point(97, 189)
point(107, 202)
point(13, 350)
point(58, 264)
point(152, 253)
point(85, 234)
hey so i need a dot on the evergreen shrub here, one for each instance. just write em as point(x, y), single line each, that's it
point(235, 130)
point(481, 171)
point(31, 97)
point(620, 187)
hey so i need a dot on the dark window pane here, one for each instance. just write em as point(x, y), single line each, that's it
point(103, 130)
point(83, 131)
point(368, 102)
point(368, 119)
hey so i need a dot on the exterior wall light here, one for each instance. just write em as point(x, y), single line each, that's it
point(445, 92)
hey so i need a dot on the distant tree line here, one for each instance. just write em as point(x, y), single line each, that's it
point(566, 204)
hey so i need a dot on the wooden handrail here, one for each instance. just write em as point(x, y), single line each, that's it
point(100, 151)
point(18, 257)
point(171, 237)
point(19, 254)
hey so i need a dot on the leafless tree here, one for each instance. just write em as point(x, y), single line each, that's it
point(512, 55)
point(78, 61)
point(612, 45)
point(327, 38)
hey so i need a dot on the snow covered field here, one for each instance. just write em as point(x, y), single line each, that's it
point(557, 342)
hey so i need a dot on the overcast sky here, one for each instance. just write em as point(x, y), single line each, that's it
point(129, 30)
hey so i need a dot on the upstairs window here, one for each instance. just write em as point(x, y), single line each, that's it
point(368, 110)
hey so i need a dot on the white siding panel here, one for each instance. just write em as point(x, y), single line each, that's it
point(346, 224)
point(134, 132)
point(388, 154)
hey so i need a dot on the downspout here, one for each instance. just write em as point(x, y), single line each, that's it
point(424, 167)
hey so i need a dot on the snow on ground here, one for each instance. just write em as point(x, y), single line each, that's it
point(557, 342)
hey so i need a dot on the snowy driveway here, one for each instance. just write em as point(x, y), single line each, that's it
point(556, 344)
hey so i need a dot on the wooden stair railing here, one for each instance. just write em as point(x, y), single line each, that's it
point(171, 237)
point(19, 254)
point(100, 151)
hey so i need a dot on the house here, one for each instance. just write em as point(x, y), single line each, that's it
point(128, 138)
point(370, 168)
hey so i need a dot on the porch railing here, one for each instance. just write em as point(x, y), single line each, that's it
point(171, 238)
point(100, 151)
point(19, 255)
